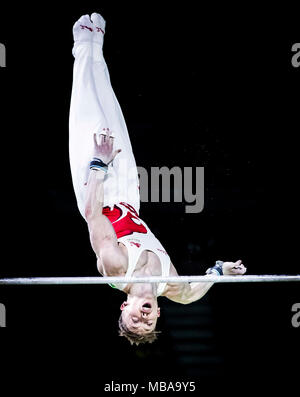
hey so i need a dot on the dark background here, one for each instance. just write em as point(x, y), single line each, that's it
point(199, 86)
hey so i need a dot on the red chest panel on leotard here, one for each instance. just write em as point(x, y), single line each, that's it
point(125, 221)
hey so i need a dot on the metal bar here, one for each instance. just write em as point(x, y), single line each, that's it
point(153, 279)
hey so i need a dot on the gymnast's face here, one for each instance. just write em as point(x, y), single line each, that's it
point(140, 315)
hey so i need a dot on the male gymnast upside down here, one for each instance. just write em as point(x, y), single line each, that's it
point(106, 186)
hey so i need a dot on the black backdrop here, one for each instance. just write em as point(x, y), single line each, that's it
point(199, 86)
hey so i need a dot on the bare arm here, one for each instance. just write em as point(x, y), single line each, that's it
point(185, 293)
point(102, 235)
point(99, 226)
point(190, 292)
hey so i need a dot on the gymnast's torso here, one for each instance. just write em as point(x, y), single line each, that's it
point(144, 253)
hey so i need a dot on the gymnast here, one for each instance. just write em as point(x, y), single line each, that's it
point(106, 186)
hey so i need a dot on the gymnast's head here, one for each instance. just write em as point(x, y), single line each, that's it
point(138, 319)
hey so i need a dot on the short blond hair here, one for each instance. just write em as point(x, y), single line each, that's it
point(135, 338)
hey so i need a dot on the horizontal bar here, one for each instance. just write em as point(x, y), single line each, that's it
point(154, 279)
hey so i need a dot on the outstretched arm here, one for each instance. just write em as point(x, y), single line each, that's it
point(102, 234)
point(190, 292)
